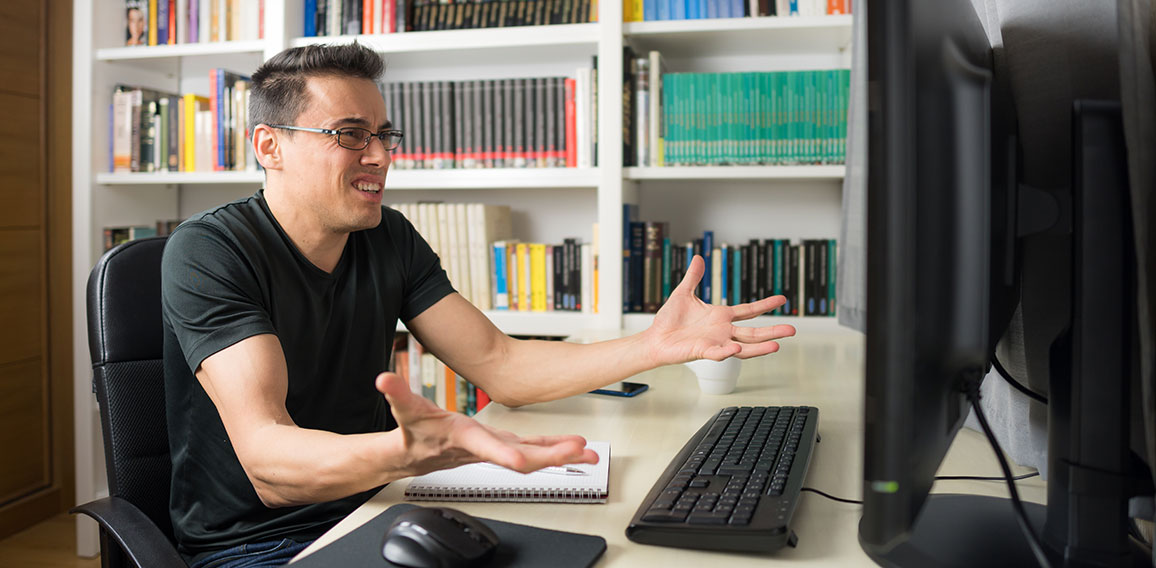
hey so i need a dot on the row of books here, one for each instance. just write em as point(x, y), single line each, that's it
point(538, 277)
point(168, 22)
point(352, 17)
point(116, 235)
point(153, 131)
point(429, 377)
point(768, 118)
point(500, 123)
point(461, 235)
point(650, 10)
point(653, 266)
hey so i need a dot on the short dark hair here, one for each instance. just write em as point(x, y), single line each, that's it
point(278, 91)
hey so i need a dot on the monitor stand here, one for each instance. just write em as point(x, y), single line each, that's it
point(966, 530)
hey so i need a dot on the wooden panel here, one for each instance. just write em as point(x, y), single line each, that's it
point(22, 295)
point(21, 160)
point(23, 430)
point(20, 46)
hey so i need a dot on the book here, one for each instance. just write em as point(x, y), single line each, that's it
point(488, 482)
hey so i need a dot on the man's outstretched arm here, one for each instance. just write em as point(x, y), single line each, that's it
point(517, 372)
point(290, 465)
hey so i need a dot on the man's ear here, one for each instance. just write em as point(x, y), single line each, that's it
point(266, 147)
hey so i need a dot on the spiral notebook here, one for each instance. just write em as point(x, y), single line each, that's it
point(576, 483)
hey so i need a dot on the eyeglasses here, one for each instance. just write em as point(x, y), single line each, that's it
point(353, 138)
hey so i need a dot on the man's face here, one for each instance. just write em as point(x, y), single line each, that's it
point(339, 190)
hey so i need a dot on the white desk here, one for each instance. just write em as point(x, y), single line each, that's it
point(823, 370)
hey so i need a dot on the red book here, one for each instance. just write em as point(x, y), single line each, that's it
point(482, 399)
point(366, 16)
point(388, 21)
point(571, 125)
point(172, 22)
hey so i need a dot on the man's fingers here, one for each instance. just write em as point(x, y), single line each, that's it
point(402, 402)
point(747, 311)
point(760, 334)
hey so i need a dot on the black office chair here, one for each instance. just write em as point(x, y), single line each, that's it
point(125, 339)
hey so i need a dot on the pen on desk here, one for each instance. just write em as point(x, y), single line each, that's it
point(556, 470)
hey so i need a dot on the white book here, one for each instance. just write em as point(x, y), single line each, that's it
point(183, 20)
point(574, 483)
point(203, 26)
point(582, 117)
point(121, 131)
point(461, 250)
point(656, 68)
point(451, 261)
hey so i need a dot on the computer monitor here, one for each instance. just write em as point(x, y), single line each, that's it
point(946, 212)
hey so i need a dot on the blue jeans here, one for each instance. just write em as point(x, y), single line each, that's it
point(254, 555)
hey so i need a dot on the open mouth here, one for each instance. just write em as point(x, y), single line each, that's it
point(368, 187)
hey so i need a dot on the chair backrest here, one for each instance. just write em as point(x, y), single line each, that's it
point(125, 339)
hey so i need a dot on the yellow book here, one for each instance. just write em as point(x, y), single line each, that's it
point(523, 276)
point(538, 277)
point(152, 22)
point(594, 245)
point(193, 103)
point(451, 389)
point(638, 15)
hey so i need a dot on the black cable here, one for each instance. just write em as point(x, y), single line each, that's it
point(832, 497)
point(1021, 514)
point(1016, 384)
point(982, 478)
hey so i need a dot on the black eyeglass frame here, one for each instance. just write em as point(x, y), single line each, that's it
point(394, 135)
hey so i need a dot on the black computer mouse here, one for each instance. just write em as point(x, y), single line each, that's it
point(438, 537)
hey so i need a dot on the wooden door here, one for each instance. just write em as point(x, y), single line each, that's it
point(36, 471)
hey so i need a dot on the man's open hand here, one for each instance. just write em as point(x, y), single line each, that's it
point(436, 439)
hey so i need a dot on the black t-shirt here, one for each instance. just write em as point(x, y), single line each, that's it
point(231, 273)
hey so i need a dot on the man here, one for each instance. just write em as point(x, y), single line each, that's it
point(280, 308)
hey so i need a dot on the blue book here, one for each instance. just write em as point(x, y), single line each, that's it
point(737, 276)
point(650, 10)
point(679, 10)
point(707, 247)
point(724, 271)
point(501, 287)
point(664, 9)
point(162, 23)
point(310, 18)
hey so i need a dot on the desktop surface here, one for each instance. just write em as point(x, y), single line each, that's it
point(645, 432)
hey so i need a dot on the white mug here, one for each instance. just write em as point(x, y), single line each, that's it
point(716, 377)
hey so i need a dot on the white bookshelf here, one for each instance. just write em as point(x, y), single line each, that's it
point(820, 173)
point(800, 201)
point(499, 178)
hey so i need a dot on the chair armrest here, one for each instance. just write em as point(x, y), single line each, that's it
point(142, 542)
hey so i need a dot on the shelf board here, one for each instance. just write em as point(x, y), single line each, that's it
point(179, 50)
point(460, 40)
point(503, 178)
point(162, 178)
point(679, 39)
point(561, 324)
point(737, 172)
point(814, 324)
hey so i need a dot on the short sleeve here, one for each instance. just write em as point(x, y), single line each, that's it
point(210, 295)
point(425, 279)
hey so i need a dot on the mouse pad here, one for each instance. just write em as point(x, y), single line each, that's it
point(521, 545)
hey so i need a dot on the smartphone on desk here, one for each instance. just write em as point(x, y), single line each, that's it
point(624, 388)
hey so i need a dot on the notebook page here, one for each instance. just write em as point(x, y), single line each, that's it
point(486, 482)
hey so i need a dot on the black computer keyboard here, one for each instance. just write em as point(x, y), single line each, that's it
point(735, 483)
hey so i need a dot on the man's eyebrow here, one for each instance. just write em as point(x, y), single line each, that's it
point(364, 123)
